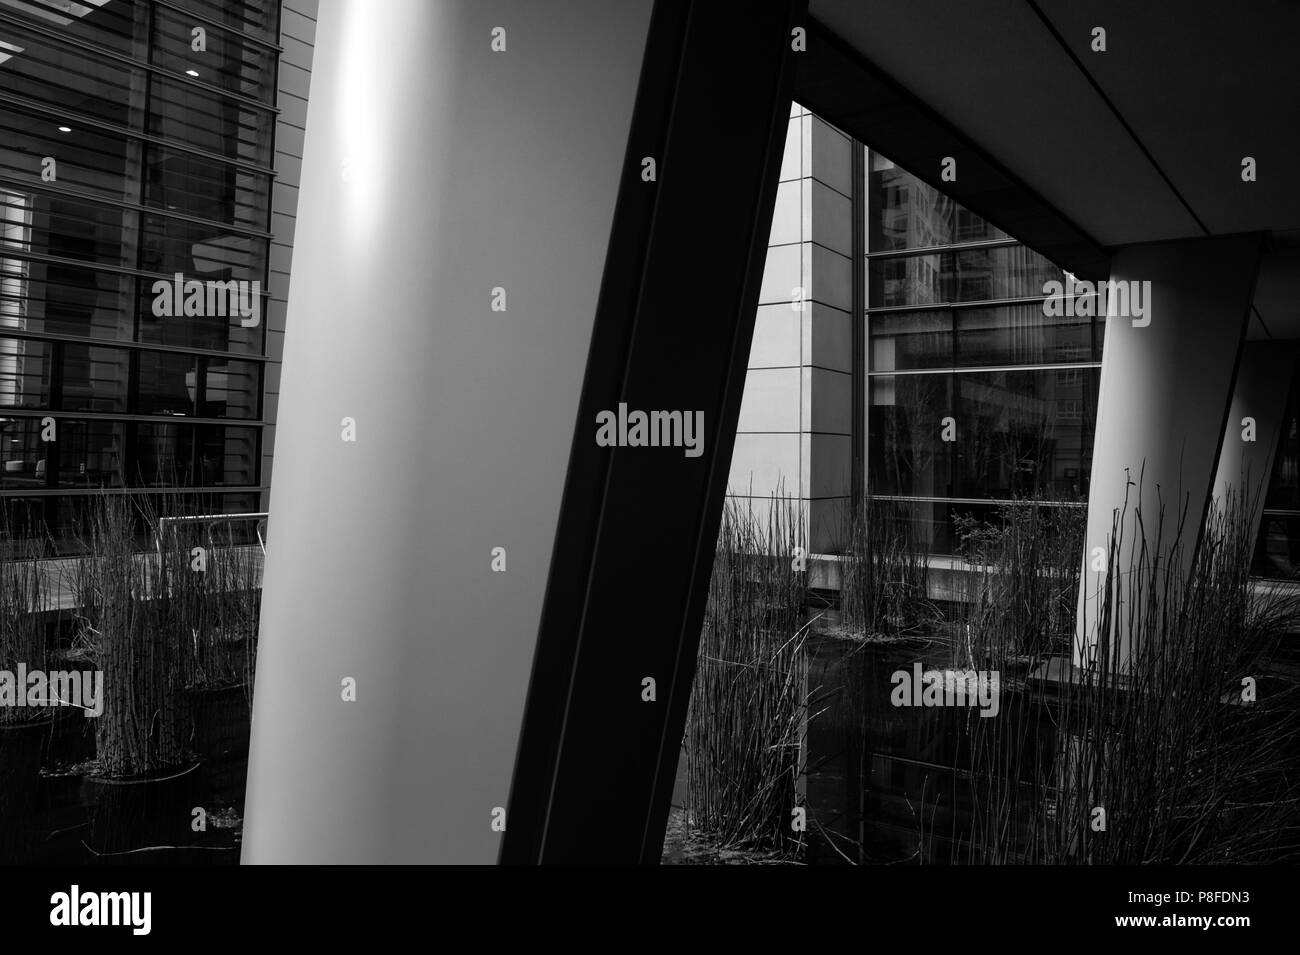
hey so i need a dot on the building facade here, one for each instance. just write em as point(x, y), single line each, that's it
point(148, 155)
point(944, 373)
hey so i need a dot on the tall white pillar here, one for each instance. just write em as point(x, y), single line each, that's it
point(1254, 427)
point(436, 170)
point(1166, 383)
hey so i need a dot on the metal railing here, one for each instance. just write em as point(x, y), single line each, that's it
point(260, 528)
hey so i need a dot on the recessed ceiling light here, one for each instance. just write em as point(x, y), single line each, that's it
point(191, 72)
point(65, 129)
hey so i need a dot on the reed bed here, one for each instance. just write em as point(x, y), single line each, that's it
point(1019, 582)
point(749, 701)
point(159, 624)
point(1153, 756)
point(884, 571)
point(24, 598)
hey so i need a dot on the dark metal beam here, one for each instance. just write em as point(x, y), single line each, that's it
point(840, 85)
point(638, 525)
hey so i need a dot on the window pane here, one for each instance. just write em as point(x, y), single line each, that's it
point(107, 24)
point(66, 78)
point(1021, 335)
point(85, 158)
point(1277, 550)
point(89, 453)
point(232, 389)
point(215, 332)
point(906, 453)
point(166, 384)
point(201, 251)
point(1024, 433)
point(900, 341)
point(905, 213)
point(74, 229)
point(969, 275)
point(187, 455)
point(67, 299)
point(163, 455)
point(94, 378)
point(254, 17)
point(194, 186)
point(230, 60)
point(228, 456)
point(25, 369)
point(187, 113)
point(22, 453)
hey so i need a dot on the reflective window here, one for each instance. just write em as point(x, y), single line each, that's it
point(937, 426)
point(23, 455)
point(83, 454)
point(905, 340)
point(185, 112)
point(89, 454)
point(231, 389)
point(962, 275)
point(257, 18)
point(93, 378)
point(192, 185)
point(26, 373)
point(64, 77)
point(229, 59)
point(1024, 434)
point(84, 157)
point(906, 451)
point(113, 25)
point(138, 148)
point(188, 455)
point(905, 213)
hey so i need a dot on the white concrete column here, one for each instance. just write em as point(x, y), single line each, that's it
point(1254, 426)
point(1166, 382)
point(436, 169)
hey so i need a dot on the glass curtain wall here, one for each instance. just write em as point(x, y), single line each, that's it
point(1277, 549)
point(978, 391)
point(135, 146)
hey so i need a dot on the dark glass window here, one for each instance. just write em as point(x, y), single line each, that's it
point(962, 275)
point(188, 455)
point(232, 389)
point(905, 213)
point(906, 451)
point(66, 78)
point(938, 427)
point(905, 340)
point(26, 373)
point(231, 60)
point(89, 453)
point(1000, 335)
point(1024, 434)
point(85, 158)
point(185, 112)
point(192, 185)
point(94, 378)
point(130, 156)
point(112, 25)
point(258, 18)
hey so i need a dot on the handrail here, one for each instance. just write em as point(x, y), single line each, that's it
point(262, 517)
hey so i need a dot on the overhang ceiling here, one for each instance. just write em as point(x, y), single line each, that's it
point(1140, 143)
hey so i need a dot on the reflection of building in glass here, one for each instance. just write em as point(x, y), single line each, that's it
point(956, 331)
point(138, 143)
point(1277, 552)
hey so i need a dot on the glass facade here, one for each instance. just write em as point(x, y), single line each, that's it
point(136, 146)
point(1277, 549)
point(976, 392)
